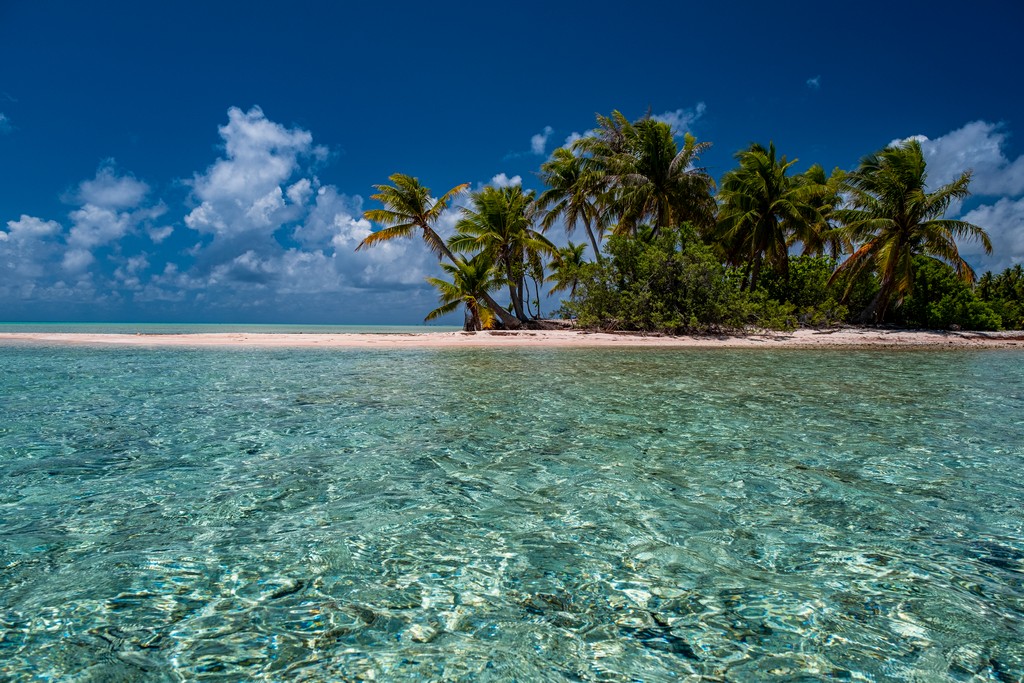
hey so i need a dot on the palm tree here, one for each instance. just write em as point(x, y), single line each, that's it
point(471, 280)
point(892, 218)
point(408, 208)
point(648, 175)
point(566, 266)
point(763, 211)
point(573, 192)
point(824, 195)
point(499, 222)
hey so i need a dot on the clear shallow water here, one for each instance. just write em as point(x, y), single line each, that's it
point(198, 328)
point(528, 515)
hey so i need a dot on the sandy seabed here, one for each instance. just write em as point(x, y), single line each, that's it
point(844, 337)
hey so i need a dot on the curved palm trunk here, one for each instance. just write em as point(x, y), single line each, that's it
point(507, 319)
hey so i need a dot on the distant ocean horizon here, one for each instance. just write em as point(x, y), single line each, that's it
point(198, 328)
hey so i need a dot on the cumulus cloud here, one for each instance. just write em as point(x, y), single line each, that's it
point(681, 120)
point(979, 146)
point(243, 192)
point(278, 232)
point(112, 205)
point(159, 234)
point(814, 83)
point(28, 250)
point(539, 141)
point(274, 242)
point(109, 190)
point(502, 180)
point(1004, 222)
point(574, 136)
point(29, 227)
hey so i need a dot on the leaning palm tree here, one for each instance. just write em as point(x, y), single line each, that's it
point(471, 280)
point(573, 193)
point(499, 222)
point(892, 217)
point(763, 211)
point(408, 208)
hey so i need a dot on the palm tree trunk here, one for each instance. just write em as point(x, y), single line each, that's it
point(593, 241)
point(516, 292)
point(507, 319)
point(756, 274)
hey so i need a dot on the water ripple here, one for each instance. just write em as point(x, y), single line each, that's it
point(483, 515)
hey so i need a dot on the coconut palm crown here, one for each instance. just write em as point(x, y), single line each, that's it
point(764, 211)
point(471, 280)
point(892, 217)
point(574, 191)
point(408, 208)
point(648, 176)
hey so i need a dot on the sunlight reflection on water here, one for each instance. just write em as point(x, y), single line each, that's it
point(488, 515)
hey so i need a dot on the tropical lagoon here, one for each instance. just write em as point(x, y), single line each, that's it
point(556, 514)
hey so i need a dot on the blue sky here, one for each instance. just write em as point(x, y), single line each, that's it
point(210, 162)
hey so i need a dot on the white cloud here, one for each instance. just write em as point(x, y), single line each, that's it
point(30, 227)
point(300, 192)
point(814, 83)
point(29, 250)
point(5, 123)
point(158, 235)
point(502, 180)
point(977, 145)
point(111, 191)
point(77, 260)
point(111, 207)
point(274, 240)
point(682, 120)
point(1004, 222)
point(331, 215)
point(243, 191)
point(93, 226)
point(539, 141)
point(574, 136)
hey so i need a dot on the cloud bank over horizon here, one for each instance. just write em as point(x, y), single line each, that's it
point(259, 237)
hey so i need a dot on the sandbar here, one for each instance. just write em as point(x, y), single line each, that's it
point(803, 338)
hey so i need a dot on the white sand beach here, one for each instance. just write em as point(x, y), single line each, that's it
point(844, 337)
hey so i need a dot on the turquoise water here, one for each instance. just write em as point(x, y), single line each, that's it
point(595, 515)
point(198, 328)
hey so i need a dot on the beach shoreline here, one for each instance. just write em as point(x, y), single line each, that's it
point(804, 338)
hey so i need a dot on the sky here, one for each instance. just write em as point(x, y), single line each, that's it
point(211, 162)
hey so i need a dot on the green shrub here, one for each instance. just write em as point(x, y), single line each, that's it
point(941, 300)
point(1004, 293)
point(671, 284)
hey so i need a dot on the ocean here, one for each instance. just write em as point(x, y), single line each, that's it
point(532, 515)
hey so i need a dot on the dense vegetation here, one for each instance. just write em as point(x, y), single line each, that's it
point(674, 252)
